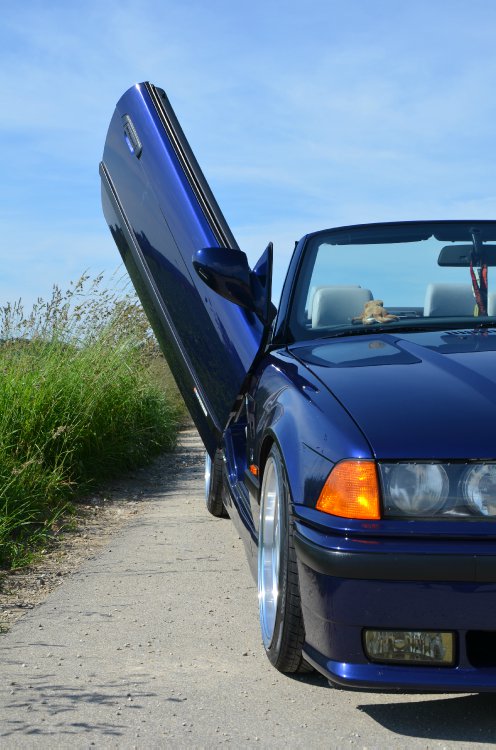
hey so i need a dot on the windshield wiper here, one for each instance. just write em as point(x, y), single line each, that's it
point(484, 324)
point(436, 324)
point(356, 331)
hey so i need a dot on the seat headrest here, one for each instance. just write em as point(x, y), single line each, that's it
point(445, 300)
point(335, 305)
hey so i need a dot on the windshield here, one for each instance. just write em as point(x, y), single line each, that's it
point(390, 276)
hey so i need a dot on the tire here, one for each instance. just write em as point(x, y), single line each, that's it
point(281, 619)
point(213, 485)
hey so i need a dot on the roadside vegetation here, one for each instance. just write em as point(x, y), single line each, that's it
point(84, 395)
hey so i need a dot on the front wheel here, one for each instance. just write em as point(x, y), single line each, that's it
point(281, 619)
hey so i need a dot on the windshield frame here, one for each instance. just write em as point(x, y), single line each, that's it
point(301, 268)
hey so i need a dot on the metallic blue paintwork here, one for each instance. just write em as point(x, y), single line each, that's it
point(313, 431)
point(442, 396)
point(295, 406)
point(337, 611)
point(395, 396)
point(211, 341)
point(292, 403)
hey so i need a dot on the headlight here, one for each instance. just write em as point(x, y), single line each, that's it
point(479, 488)
point(439, 490)
point(414, 489)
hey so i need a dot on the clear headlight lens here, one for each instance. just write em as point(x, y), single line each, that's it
point(414, 489)
point(478, 486)
point(440, 490)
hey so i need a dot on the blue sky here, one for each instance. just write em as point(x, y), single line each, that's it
point(302, 116)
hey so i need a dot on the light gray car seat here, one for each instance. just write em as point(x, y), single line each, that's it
point(449, 300)
point(338, 305)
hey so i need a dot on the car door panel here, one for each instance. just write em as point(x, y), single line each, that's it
point(161, 211)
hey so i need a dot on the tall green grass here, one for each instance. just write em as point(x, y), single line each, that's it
point(80, 401)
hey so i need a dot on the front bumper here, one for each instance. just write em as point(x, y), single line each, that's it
point(345, 591)
point(376, 566)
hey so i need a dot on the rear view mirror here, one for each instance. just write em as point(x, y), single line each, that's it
point(462, 255)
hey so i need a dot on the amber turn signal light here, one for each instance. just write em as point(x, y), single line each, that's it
point(351, 491)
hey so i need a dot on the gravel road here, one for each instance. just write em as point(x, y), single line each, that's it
point(154, 643)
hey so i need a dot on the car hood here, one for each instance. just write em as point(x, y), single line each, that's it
point(421, 395)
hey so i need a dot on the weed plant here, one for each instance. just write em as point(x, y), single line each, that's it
point(80, 401)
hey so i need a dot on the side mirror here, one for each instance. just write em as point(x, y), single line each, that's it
point(227, 272)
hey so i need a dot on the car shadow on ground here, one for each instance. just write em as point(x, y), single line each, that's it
point(465, 718)
point(446, 718)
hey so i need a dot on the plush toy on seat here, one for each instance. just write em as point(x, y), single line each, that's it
point(374, 312)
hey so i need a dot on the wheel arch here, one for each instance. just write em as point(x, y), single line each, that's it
point(311, 428)
point(306, 469)
point(267, 444)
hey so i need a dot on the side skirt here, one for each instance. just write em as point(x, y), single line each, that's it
point(236, 495)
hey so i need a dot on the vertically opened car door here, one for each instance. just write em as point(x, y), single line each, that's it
point(162, 215)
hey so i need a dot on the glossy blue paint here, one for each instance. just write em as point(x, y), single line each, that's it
point(298, 399)
point(439, 386)
point(396, 395)
point(337, 611)
point(291, 407)
point(161, 212)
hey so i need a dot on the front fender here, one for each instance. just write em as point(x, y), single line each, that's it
point(310, 426)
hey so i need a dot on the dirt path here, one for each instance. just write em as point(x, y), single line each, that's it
point(95, 522)
point(154, 643)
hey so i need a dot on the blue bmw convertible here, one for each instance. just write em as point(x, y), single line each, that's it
point(350, 434)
